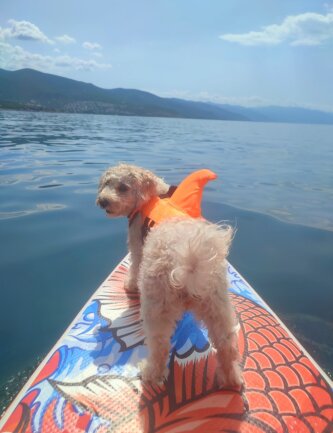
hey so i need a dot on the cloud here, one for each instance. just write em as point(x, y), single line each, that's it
point(24, 30)
point(15, 57)
point(91, 46)
point(305, 29)
point(65, 39)
point(79, 64)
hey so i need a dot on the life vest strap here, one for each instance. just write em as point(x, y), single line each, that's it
point(132, 216)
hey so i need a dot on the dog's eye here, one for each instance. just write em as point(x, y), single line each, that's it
point(122, 187)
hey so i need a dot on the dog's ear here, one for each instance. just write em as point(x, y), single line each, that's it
point(148, 185)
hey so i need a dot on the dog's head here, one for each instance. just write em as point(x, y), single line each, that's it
point(124, 188)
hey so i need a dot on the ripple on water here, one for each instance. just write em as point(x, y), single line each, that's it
point(43, 207)
point(51, 185)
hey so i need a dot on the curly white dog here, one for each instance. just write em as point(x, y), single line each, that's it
point(181, 265)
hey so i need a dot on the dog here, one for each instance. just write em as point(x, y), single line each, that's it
point(180, 265)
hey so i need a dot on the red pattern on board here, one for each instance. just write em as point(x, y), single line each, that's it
point(284, 391)
point(49, 368)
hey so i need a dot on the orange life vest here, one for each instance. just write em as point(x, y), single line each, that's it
point(182, 201)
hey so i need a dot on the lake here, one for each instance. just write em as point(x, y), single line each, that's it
point(275, 185)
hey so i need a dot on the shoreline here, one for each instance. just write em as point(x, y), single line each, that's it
point(269, 122)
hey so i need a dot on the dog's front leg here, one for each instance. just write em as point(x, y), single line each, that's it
point(135, 245)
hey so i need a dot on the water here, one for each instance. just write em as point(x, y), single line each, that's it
point(275, 184)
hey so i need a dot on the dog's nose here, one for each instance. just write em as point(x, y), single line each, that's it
point(102, 202)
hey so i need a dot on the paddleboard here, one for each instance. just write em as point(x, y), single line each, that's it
point(89, 381)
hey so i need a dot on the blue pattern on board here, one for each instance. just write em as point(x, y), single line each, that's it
point(240, 287)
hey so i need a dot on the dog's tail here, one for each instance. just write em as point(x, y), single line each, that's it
point(202, 265)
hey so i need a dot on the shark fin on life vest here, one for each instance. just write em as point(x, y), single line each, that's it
point(188, 194)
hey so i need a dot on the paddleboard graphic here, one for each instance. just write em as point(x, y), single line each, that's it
point(89, 382)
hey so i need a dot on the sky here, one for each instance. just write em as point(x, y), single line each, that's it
point(258, 52)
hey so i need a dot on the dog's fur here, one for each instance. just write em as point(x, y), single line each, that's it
point(181, 265)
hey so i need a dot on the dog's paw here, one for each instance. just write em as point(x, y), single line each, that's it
point(130, 284)
point(151, 374)
point(231, 378)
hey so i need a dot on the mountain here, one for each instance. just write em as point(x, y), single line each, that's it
point(33, 90)
point(281, 114)
point(294, 115)
point(27, 89)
